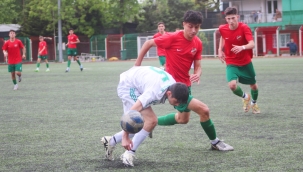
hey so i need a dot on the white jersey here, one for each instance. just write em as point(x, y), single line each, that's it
point(145, 83)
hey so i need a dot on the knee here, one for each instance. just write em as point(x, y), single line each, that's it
point(182, 119)
point(254, 87)
point(232, 86)
point(205, 112)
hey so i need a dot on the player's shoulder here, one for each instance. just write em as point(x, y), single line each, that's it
point(223, 26)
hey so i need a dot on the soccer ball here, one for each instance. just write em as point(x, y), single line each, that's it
point(132, 121)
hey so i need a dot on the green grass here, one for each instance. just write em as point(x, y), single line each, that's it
point(55, 120)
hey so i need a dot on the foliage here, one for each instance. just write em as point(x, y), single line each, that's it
point(10, 11)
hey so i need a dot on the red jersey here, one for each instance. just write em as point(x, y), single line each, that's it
point(180, 54)
point(160, 51)
point(41, 45)
point(13, 50)
point(241, 36)
point(72, 38)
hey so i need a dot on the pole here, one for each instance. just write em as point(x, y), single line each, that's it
point(59, 32)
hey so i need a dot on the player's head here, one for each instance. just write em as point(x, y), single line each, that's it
point(161, 27)
point(71, 31)
point(41, 38)
point(12, 34)
point(177, 94)
point(231, 16)
point(192, 21)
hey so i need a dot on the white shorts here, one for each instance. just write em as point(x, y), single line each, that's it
point(127, 94)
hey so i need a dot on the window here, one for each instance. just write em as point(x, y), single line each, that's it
point(269, 7)
point(283, 39)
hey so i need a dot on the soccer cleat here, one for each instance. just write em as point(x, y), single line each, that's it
point(246, 103)
point(108, 148)
point(150, 135)
point(255, 108)
point(16, 87)
point(127, 158)
point(67, 70)
point(37, 70)
point(221, 146)
point(81, 68)
point(19, 78)
point(47, 70)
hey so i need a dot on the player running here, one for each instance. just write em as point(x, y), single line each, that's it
point(237, 40)
point(42, 53)
point(73, 40)
point(11, 50)
point(182, 49)
point(160, 51)
point(139, 88)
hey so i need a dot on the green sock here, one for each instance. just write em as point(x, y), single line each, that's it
point(78, 61)
point(38, 65)
point(254, 94)
point(14, 81)
point(238, 91)
point(68, 63)
point(47, 65)
point(209, 128)
point(167, 119)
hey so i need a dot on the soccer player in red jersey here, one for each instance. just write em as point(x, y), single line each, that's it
point(73, 40)
point(42, 53)
point(11, 51)
point(161, 51)
point(237, 40)
point(182, 49)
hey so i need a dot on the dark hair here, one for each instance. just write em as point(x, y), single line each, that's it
point(71, 29)
point(180, 92)
point(194, 17)
point(230, 11)
point(160, 23)
point(12, 30)
point(40, 36)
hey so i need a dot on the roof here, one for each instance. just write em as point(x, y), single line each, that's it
point(8, 27)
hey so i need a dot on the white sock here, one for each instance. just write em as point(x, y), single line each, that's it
point(139, 138)
point(117, 138)
point(215, 141)
point(245, 96)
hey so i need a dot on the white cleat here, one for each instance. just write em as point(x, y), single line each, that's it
point(47, 70)
point(221, 146)
point(108, 148)
point(127, 158)
point(16, 87)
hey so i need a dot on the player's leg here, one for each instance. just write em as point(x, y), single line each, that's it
point(38, 63)
point(69, 58)
point(232, 73)
point(79, 63)
point(162, 60)
point(150, 122)
point(47, 65)
point(18, 69)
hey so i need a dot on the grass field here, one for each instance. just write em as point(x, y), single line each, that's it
point(55, 120)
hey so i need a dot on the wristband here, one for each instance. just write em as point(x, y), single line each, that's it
point(243, 47)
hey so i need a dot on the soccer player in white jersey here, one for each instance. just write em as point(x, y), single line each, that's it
point(139, 88)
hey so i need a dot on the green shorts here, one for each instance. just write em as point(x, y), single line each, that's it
point(43, 57)
point(72, 51)
point(244, 74)
point(162, 60)
point(183, 107)
point(15, 67)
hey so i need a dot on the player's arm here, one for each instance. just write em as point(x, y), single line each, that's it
point(146, 46)
point(47, 38)
point(39, 52)
point(238, 48)
point(5, 53)
point(221, 54)
point(77, 41)
point(23, 52)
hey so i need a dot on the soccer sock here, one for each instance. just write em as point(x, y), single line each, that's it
point(78, 61)
point(139, 138)
point(117, 138)
point(167, 119)
point(254, 95)
point(238, 91)
point(14, 81)
point(47, 65)
point(38, 65)
point(68, 63)
point(209, 128)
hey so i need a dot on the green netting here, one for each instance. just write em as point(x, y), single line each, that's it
point(207, 38)
point(97, 45)
point(129, 46)
point(28, 47)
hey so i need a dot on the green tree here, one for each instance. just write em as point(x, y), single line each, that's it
point(10, 11)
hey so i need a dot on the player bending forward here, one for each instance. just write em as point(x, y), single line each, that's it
point(139, 88)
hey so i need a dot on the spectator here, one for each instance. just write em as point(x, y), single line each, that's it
point(259, 16)
point(277, 16)
point(255, 15)
point(292, 47)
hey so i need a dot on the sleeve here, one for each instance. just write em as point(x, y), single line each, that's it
point(4, 47)
point(148, 98)
point(198, 55)
point(76, 37)
point(21, 44)
point(164, 41)
point(247, 33)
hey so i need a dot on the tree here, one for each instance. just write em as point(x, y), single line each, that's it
point(10, 11)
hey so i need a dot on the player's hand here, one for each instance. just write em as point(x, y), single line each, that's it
point(23, 56)
point(236, 49)
point(194, 78)
point(127, 143)
point(221, 56)
point(5, 54)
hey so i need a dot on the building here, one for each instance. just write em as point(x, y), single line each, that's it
point(261, 16)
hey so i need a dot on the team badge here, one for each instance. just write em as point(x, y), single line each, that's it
point(193, 51)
